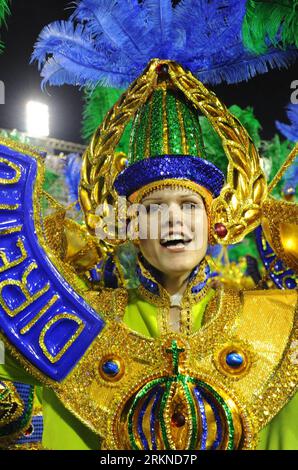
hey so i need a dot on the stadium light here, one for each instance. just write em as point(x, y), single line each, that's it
point(37, 119)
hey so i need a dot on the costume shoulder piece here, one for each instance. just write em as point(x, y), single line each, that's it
point(43, 315)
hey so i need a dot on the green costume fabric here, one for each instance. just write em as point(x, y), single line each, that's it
point(63, 431)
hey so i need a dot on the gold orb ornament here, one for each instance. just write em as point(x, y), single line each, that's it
point(280, 225)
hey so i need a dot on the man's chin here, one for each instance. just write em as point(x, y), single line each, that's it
point(179, 269)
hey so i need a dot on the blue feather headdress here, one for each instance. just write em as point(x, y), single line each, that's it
point(73, 170)
point(290, 131)
point(110, 42)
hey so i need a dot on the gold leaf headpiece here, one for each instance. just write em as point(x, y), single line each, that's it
point(237, 210)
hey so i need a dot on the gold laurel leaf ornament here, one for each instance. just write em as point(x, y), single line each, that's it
point(280, 220)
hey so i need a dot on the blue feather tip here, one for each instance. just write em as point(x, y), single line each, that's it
point(290, 131)
point(73, 176)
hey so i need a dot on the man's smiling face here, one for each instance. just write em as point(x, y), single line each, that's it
point(174, 230)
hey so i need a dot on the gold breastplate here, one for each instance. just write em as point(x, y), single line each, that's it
point(216, 388)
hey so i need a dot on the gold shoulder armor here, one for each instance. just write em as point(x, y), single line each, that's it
point(280, 225)
point(269, 325)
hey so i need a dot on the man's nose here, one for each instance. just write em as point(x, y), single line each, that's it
point(175, 216)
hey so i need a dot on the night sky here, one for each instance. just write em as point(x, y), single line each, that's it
point(268, 94)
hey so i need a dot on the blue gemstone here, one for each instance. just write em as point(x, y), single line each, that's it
point(278, 266)
point(290, 283)
point(110, 368)
point(234, 359)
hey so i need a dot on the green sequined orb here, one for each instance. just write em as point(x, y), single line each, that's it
point(165, 125)
point(180, 412)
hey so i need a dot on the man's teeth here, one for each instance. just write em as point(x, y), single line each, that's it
point(175, 240)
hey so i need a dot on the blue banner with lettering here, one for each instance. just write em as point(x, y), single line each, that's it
point(40, 313)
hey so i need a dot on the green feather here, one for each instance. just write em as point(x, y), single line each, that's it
point(277, 151)
point(246, 247)
point(4, 11)
point(249, 121)
point(277, 21)
point(212, 143)
point(97, 104)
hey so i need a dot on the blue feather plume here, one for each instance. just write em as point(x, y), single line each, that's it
point(291, 177)
point(290, 131)
point(73, 176)
point(110, 42)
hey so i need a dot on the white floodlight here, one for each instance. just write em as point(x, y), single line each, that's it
point(37, 118)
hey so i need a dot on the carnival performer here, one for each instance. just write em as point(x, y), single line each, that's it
point(175, 363)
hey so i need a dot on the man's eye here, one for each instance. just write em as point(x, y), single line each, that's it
point(156, 208)
point(152, 208)
point(191, 206)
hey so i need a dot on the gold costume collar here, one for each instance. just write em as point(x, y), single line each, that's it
point(198, 280)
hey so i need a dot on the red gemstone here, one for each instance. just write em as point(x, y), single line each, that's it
point(178, 420)
point(28, 431)
point(220, 230)
point(162, 69)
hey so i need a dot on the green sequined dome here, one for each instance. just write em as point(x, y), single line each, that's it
point(165, 125)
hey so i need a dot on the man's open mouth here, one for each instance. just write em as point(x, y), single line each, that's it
point(177, 241)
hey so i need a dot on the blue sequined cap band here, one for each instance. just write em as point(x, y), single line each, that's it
point(180, 167)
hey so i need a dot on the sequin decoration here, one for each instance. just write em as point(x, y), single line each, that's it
point(156, 144)
point(141, 132)
point(198, 287)
point(26, 393)
point(152, 286)
point(148, 283)
point(163, 167)
point(175, 139)
point(165, 124)
point(282, 276)
point(178, 412)
point(33, 434)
